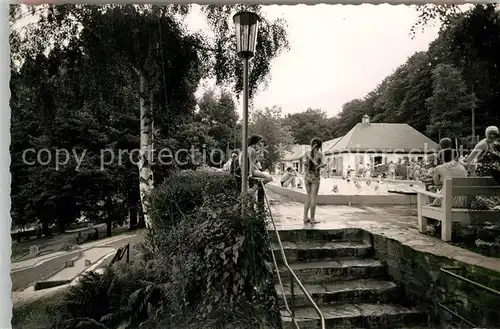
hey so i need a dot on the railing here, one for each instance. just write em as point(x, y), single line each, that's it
point(448, 271)
point(294, 277)
point(121, 252)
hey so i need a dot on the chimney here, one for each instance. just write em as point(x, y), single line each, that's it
point(366, 119)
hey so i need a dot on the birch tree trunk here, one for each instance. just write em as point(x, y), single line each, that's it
point(145, 153)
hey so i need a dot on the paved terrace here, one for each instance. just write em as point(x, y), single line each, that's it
point(394, 222)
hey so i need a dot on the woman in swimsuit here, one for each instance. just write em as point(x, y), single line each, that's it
point(313, 164)
point(486, 153)
point(254, 168)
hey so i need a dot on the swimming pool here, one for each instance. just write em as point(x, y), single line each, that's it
point(359, 186)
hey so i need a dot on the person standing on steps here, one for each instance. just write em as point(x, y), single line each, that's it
point(313, 162)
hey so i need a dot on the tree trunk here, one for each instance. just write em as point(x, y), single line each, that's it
point(61, 225)
point(109, 216)
point(45, 228)
point(132, 218)
point(145, 171)
point(141, 223)
point(473, 123)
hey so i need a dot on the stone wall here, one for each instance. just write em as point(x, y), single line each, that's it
point(418, 274)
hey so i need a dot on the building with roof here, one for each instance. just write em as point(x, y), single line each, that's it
point(293, 158)
point(370, 143)
point(367, 143)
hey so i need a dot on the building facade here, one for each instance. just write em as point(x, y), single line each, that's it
point(369, 144)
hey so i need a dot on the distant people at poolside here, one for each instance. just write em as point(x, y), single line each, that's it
point(392, 170)
point(409, 169)
point(349, 172)
point(417, 170)
point(289, 178)
point(361, 170)
point(368, 172)
point(313, 163)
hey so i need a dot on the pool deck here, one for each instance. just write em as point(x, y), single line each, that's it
point(394, 222)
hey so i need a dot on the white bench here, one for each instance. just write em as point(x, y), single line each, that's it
point(452, 187)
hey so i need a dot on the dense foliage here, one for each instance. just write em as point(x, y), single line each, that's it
point(277, 136)
point(75, 86)
point(205, 268)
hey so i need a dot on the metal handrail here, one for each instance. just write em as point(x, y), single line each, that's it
point(457, 315)
point(447, 270)
point(294, 276)
point(121, 252)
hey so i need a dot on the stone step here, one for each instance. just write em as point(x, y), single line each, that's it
point(362, 290)
point(363, 315)
point(314, 250)
point(296, 235)
point(334, 270)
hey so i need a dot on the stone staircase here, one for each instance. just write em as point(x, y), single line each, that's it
point(346, 282)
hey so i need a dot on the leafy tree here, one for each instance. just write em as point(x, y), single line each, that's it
point(277, 136)
point(146, 50)
point(450, 103)
point(309, 124)
point(350, 115)
point(429, 13)
point(220, 116)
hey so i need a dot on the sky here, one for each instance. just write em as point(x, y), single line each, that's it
point(337, 53)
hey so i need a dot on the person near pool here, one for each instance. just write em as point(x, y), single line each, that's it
point(253, 171)
point(392, 170)
point(449, 168)
point(486, 154)
point(313, 163)
point(289, 177)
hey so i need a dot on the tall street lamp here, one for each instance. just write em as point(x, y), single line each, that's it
point(247, 25)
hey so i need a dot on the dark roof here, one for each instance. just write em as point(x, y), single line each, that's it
point(327, 145)
point(383, 137)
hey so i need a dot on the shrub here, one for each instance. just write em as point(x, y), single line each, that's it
point(186, 190)
point(206, 269)
point(39, 314)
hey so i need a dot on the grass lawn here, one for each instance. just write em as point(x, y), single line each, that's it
point(20, 250)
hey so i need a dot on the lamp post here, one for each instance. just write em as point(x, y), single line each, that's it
point(246, 25)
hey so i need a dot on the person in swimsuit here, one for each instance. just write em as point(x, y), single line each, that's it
point(486, 154)
point(289, 177)
point(253, 160)
point(313, 163)
point(417, 171)
point(450, 168)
